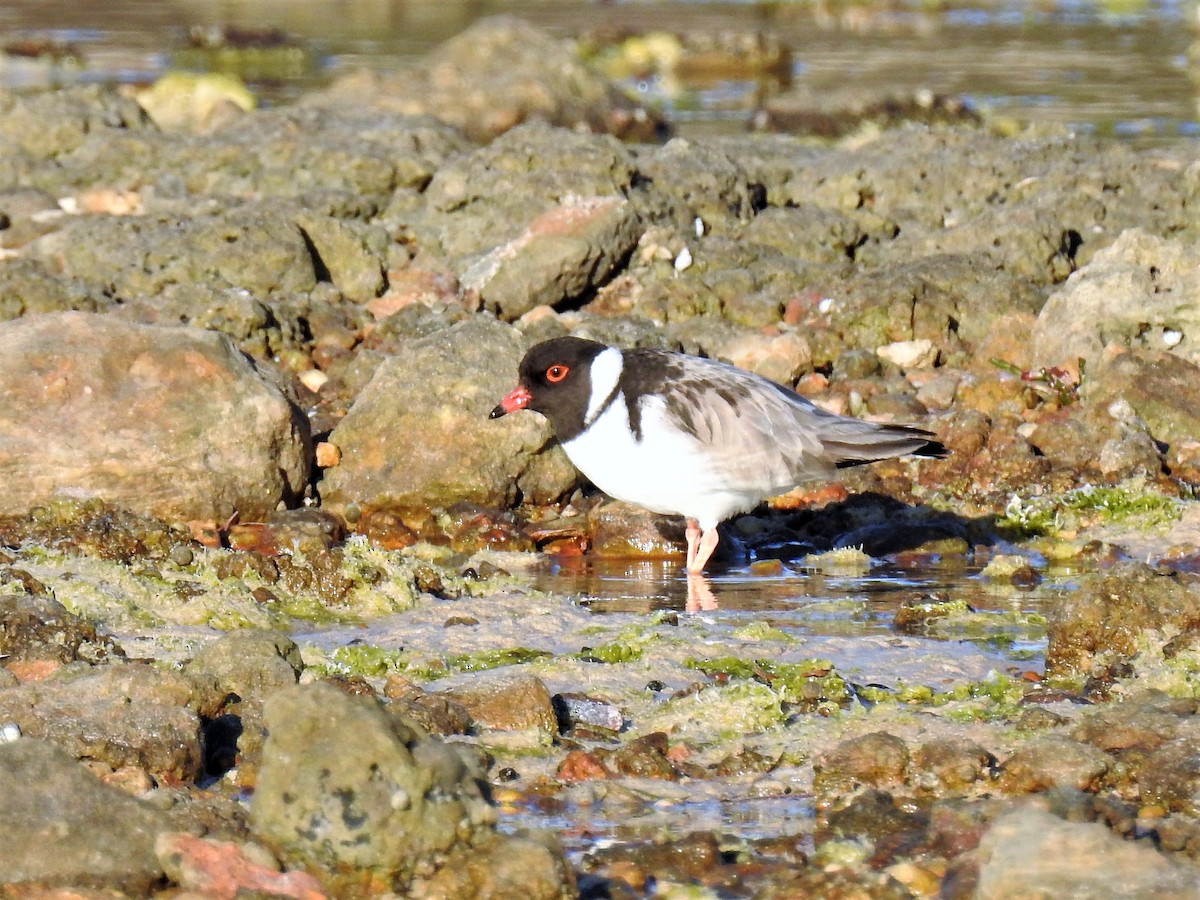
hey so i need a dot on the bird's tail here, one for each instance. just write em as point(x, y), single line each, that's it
point(855, 443)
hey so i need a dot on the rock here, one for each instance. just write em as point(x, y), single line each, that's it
point(52, 124)
point(1053, 761)
point(781, 358)
point(1031, 853)
point(951, 765)
point(875, 760)
point(190, 101)
point(248, 666)
point(561, 254)
point(1101, 623)
point(120, 715)
point(1142, 291)
point(37, 627)
point(438, 395)
point(906, 355)
point(495, 75)
point(256, 249)
point(623, 531)
point(1141, 723)
point(690, 181)
point(508, 703)
point(209, 868)
point(171, 422)
point(1170, 775)
point(62, 827)
point(383, 806)
point(531, 866)
point(251, 663)
point(29, 286)
point(1156, 385)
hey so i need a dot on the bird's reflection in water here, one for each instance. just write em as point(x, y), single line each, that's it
point(615, 585)
point(700, 596)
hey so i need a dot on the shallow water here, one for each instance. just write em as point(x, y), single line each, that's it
point(1120, 70)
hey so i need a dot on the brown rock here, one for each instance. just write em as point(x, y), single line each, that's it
point(120, 715)
point(171, 422)
point(1100, 623)
point(508, 703)
point(418, 435)
point(1053, 761)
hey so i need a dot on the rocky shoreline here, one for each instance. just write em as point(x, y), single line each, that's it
point(247, 360)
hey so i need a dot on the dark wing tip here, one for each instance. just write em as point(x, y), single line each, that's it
point(932, 450)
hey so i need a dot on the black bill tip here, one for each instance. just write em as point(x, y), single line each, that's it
point(496, 413)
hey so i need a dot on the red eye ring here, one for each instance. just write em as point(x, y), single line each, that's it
point(557, 373)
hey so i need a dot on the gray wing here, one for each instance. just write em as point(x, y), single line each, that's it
point(759, 432)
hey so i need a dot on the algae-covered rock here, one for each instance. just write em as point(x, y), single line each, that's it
point(419, 436)
point(62, 827)
point(1102, 622)
point(170, 422)
point(348, 788)
point(37, 627)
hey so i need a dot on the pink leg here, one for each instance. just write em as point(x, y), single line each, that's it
point(708, 543)
point(693, 538)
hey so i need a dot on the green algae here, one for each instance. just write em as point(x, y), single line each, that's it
point(1132, 501)
point(812, 684)
point(358, 659)
point(432, 670)
point(761, 631)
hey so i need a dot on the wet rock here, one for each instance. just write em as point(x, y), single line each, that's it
point(439, 394)
point(1170, 775)
point(875, 760)
point(1100, 624)
point(495, 75)
point(834, 111)
point(1142, 291)
point(1142, 722)
point(171, 422)
point(1031, 853)
point(621, 530)
point(381, 807)
point(120, 715)
point(531, 866)
point(62, 827)
point(951, 765)
point(873, 815)
point(689, 859)
point(1053, 761)
point(643, 757)
point(37, 627)
point(509, 703)
point(434, 712)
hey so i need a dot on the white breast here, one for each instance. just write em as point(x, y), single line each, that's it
point(667, 471)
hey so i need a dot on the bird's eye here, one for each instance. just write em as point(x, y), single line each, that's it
point(555, 374)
